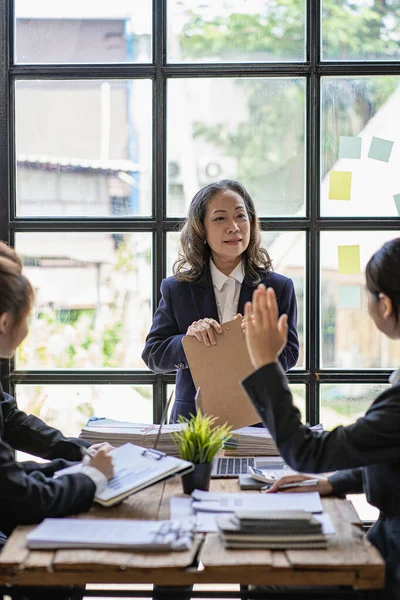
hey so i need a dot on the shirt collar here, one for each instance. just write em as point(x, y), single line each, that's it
point(394, 379)
point(219, 278)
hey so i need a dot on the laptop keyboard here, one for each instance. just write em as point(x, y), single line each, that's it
point(231, 466)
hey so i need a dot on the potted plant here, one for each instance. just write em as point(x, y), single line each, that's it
point(198, 443)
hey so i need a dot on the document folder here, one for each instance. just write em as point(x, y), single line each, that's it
point(217, 370)
point(135, 468)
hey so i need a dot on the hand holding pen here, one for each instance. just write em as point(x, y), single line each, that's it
point(301, 483)
point(99, 459)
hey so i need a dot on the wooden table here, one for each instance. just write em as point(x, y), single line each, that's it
point(350, 559)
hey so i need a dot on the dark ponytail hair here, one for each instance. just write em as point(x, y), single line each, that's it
point(383, 273)
point(16, 292)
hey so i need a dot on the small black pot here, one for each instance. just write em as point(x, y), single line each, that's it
point(198, 479)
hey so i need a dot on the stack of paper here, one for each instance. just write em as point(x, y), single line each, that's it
point(117, 433)
point(113, 533)
point(296, 529)
point(253, 441)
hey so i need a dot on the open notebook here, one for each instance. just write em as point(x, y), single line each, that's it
point(135, 468)
point(113, 533)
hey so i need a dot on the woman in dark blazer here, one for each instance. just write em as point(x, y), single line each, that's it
point(367, 452)
point(28, 491)
point(220, 238)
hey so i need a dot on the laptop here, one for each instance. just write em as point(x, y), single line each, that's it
point(233, 466)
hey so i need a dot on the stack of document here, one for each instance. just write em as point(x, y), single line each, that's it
point(117, 433)
point(279, 530)
point(253, 441)
point(113, 533)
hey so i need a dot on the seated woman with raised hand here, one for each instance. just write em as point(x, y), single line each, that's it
point(28, 491)
point(221, 262)
point(366, 453)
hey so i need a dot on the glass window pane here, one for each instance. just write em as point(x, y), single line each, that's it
point(344, 403)
point(83, 148)
point(68, 407)
point(252, 130)
point(93, 299)
point(287, 251)
point(360, 149)
point(299, 397)
point(236, 31)
point(360, 30)
point(349, 338)
point(82, 31)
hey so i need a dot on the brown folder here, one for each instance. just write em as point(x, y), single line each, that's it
point(217, 370)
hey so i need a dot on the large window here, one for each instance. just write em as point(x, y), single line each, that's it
point(112, 115)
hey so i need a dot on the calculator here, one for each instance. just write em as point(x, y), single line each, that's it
point(269, 475)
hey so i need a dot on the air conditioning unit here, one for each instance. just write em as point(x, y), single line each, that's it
point(214, 168)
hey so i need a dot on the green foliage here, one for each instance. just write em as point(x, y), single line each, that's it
point(200, 441)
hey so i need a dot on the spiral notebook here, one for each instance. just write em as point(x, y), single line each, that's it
point(113, 533)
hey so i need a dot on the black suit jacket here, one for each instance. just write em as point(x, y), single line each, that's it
point(182, 303)
point(368, 451)
point(28, 493)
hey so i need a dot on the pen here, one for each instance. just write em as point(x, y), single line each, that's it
point(86, 452)
point(305, 483)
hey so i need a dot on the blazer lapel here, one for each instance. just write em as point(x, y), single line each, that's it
point(246, 294)
point(204, 298)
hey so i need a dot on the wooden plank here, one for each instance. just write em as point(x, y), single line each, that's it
point(14, 552)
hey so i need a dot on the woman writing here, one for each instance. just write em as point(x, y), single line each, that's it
point(221, 262)
point(28, 491)
point(366, 453)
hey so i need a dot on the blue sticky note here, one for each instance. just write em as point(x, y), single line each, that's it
point(380, 149)
point(396, 198)
point(349, 147)
point(349, 296)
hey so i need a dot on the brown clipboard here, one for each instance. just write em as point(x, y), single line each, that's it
point(218, 370)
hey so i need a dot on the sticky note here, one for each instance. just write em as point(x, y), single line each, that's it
point(380, 149)
point(396, 198)
point(340, 185)
point(349, 259)
point(349, 147)
point(349, 296)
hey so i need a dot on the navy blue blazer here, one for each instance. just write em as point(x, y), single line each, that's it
point(182, 303)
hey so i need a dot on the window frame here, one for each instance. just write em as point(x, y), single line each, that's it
point(159, 71)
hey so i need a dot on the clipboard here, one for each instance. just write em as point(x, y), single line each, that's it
point(218, 370)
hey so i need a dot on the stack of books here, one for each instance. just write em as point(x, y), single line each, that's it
point(277, 530)
point(117, 433)
point(253, 441)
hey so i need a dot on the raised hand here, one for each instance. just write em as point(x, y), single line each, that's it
point(266, 332)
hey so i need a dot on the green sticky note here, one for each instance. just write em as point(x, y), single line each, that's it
point(349, 147)
point(380, 149)
point(340, 185)
point(396, 198)
point(349, 259)
point(349, 296)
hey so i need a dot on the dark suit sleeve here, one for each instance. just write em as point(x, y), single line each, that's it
point(288, 304)
point(47, 468)
point(349, 481)
point(28, 498)
point(163, 351)
point(30, 434)
point(370, 440)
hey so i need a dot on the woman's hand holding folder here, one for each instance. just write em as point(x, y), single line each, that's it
point(322, 486)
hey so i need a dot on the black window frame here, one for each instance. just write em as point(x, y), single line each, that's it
point(159, 71)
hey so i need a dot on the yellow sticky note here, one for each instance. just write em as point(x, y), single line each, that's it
point(349, 259)
point(340, 185)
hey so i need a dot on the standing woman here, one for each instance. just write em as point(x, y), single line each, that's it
point(221, 262)
point(366, 454)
